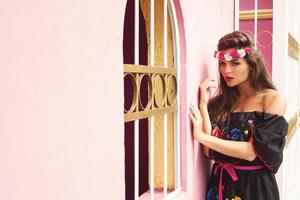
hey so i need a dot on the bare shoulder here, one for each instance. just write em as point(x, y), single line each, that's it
point(274, 102)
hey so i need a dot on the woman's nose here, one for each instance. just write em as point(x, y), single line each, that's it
point(227, 69)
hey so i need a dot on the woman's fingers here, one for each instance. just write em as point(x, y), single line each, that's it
point(194, 109)
point(208, 83)
point(195, 112)
point(212, 83)
point(192, 118)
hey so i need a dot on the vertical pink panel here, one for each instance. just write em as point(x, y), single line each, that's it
point(249, 4)
point(246, 4)
point(264, 29)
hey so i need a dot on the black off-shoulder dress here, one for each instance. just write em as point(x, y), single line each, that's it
point(238, 179)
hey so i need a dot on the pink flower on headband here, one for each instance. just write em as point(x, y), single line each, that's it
point(235, 53)
point(247, 50)
point(219, 54)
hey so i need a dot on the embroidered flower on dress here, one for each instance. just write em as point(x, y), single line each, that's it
point(217, 132)
point(211, 194)
point(228, 136)
point(235, 134)
point(236, 198)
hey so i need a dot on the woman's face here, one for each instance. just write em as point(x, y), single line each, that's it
point(234, 72)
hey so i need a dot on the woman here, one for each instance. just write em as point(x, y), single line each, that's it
point(242, 127)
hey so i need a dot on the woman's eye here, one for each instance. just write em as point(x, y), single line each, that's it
point(221, 64)
point(235, 63)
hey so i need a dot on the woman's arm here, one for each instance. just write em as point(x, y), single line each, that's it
point(242, 150)
point(274, 103)
point(203, 101)
point(206, 125)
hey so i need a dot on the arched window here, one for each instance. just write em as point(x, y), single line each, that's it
point(151, 100)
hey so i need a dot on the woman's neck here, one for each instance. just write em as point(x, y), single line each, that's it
point(246, 90)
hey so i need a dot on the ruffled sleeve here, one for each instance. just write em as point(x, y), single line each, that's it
point(269, 139)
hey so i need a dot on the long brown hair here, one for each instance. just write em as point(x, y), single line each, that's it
point(221, 105)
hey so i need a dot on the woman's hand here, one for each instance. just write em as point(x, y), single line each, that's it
point(196, 118)
point(200, 117)
point(204, 86)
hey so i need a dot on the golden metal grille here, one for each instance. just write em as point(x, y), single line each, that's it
point(293, 46)
point(162, 90)
point(293, 123)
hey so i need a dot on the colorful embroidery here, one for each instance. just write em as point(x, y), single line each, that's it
point(217, 132)
point(235, 134)
point(211, 194)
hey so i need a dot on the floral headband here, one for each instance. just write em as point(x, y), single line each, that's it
point(235, 53)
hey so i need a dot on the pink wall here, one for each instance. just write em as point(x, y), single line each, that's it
point(183, 106)
point(265, 37)
point(61, 122)
point(261, 4)
point(204, 23)
point(264, 29)
point(61, 119)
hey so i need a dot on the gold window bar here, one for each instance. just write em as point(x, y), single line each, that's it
point(144, 69)
point(151, 119)
point(136, 121)
point(165, 118)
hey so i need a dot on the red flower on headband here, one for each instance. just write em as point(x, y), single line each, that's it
point(247, 50)
point(221, 55)
point(234, 53)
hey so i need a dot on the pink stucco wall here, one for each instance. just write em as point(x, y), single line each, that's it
point(61, 117)
point(204, 23)
point(61, 122)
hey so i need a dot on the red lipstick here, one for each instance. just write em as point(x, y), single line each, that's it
point(228, 78)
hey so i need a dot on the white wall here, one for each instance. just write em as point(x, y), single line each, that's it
point(286, 76)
